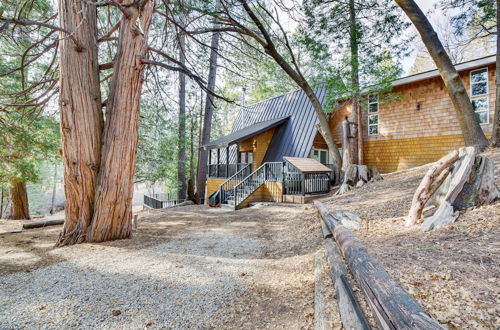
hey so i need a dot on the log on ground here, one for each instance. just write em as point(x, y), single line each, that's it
point(391, 305)
point(39, 224)
point(351, 313)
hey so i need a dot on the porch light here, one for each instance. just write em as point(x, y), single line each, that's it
point(254, 144)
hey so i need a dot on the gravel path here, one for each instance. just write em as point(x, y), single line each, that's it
point(189, 267)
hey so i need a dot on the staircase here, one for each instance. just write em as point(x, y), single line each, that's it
point(267, 172)
point(226, 189)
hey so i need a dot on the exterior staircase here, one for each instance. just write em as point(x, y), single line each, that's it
point(239, 187)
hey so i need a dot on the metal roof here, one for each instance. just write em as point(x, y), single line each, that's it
point(245, 133)
point(307, 165)
point(296, 136)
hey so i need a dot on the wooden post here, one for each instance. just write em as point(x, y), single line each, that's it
point(218, 161)
point(227, 161)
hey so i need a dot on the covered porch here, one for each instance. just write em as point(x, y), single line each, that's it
point(243, 149)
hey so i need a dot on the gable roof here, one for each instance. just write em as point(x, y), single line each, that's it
point(245, 133)
point(296, 136)
point(307, 165)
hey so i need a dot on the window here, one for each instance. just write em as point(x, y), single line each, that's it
point(321, 155)
point(479, 94)
point(373, 114)
point(246, 157)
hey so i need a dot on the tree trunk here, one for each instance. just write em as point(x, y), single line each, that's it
point(181, 165)
point(207, 117)
point(81, 116)
point(19, 207)
point(353, 42)
point(361, 157)
point(190, 188)
point(53, 202)
point(471, 130)
point(113, 202)
point(495, 137)
point(1, 200)
point(298, 78)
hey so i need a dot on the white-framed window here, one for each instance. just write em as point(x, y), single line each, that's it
point(479, 94)
point(321, 155)
point(373, 114)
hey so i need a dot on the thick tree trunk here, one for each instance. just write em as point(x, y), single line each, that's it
point(81, 116)
point(190, 188)
point(19, 207)
point(181, 165)
point(207, 117)
point(471, 130)
point(353, 42)
point(113, 203)
point(361, 157)
point(495, 137)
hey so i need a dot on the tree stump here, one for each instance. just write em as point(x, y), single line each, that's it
point(460, 180)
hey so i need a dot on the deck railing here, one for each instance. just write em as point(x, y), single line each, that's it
point(161, 201)
point(224, 170)
point(267, 172)
point(227, 187)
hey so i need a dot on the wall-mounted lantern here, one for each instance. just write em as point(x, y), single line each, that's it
point(254, 144)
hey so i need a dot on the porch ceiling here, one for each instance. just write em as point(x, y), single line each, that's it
point(245, 133)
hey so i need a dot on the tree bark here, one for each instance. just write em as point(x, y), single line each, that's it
point(19, 207)
point(207, 116)
point(81, 116)
point(1, 200)
point(181, 164)
point(495, 137)
point(190, 188)
point(353, 42)
point(428, 186)
point(113, 202)
point(471, 130)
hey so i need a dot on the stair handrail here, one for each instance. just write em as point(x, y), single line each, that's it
point(263, 175)
point(225, 187)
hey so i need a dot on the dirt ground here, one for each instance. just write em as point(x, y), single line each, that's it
point(452, 271)
point(258, 263)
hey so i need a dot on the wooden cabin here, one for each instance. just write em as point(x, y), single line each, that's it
point(416, 128)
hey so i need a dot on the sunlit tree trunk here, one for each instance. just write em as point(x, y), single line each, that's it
point(207, 116)
point(81, 116)
point(495, 137)
point(471, 130)
point(113, 202)
point(353, 42)
point(19, 207)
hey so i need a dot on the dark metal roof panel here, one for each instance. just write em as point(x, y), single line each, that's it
point(245, 132)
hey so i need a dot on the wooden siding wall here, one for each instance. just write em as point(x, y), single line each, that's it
point(212, 186)
point(268, 192)
point(409, 137)
point(261, 142)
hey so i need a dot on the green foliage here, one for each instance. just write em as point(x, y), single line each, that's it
point(476, 16)
point(329, 36)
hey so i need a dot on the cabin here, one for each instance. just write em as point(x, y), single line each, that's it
point(276, 137)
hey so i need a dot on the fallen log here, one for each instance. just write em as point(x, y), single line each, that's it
point(391, 305)
point(325, 230)
point(321, 320)
point(350, 312)
point(39, 224)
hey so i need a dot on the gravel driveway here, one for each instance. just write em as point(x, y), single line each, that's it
point(188, 267)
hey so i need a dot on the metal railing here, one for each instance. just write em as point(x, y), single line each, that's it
point(161, 201)
point(267, 172)
point(298, 183)
point(224, 170)
point(332, 174)
point(227, 187)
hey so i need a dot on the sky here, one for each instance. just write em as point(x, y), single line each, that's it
point(426, 6)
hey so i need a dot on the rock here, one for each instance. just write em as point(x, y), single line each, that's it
point(360, 183)
point(116, 312)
